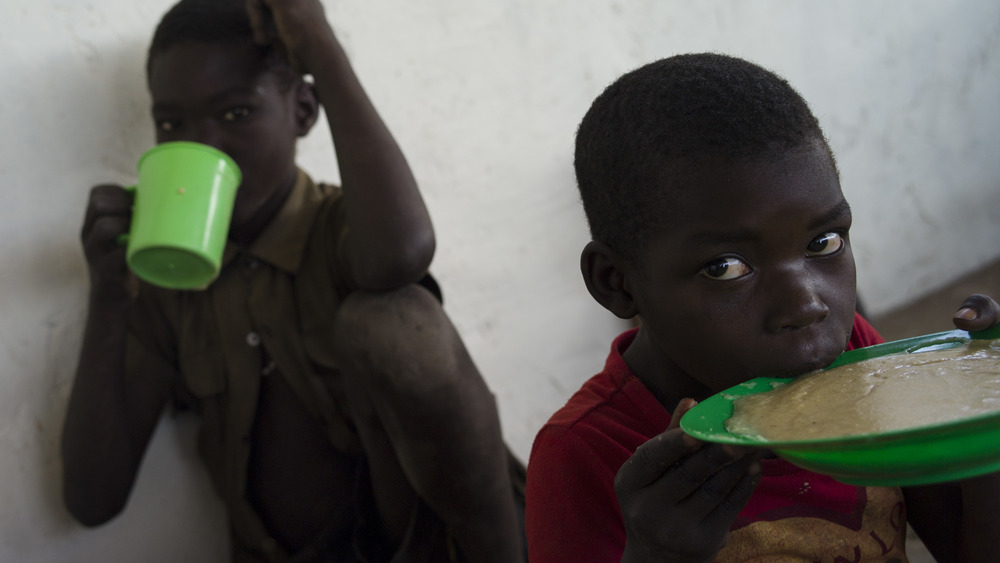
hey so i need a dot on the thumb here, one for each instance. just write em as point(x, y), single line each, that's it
point(682, 407)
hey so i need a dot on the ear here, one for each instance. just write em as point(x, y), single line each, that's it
point(604, 271)
point(306, 107)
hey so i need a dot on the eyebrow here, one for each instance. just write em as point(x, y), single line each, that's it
point(215, 99)
point(716, 238)
point(837, 212)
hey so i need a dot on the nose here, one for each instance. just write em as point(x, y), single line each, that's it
point(794, 299)
point(205, 132)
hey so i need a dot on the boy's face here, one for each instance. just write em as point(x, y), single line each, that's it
point(754, 275)
point(217, 94)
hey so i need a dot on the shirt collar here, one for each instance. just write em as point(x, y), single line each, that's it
point(282, 242)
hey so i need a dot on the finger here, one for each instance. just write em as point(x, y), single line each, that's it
point(683, 406)
point(735, 495)
point(105, 256)
point(977, 312)
point(711, 471)
point(106, 200)
point(104, 233)
point(111, 264)
point(653, 458)
point(260, 21)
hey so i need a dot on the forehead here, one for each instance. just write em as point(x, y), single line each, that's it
point(192, 68)
point(790, 188)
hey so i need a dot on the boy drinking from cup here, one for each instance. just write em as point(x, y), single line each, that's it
point(717, 216)
point(342, 418)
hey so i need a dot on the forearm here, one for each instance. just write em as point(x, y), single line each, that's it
point(980, 525)
point(957, 521)
point(99, 451)
point(391, 239)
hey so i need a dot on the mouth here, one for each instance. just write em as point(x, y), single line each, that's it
point(800, 357)
point(796, 371)
point(811, 367)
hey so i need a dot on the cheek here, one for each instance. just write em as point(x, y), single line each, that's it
point(265, 161)
point(843, 286)
point(698, 328)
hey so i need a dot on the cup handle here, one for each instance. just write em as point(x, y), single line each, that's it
point(122, 239)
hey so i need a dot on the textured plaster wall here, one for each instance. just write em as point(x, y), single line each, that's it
point(484, 97)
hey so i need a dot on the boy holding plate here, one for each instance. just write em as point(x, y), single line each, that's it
point(718, 220)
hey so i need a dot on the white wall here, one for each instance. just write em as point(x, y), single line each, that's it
point(484, 96)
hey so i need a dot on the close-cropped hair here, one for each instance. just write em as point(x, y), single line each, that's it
point(664, 119)
point(224, 22)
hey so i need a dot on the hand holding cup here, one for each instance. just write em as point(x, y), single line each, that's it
point(181, 214)
point(108, 216)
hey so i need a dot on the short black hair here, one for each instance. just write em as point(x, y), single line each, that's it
point(668, 117)
point(214, 21)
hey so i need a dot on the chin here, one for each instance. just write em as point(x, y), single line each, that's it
point(826, 359)
point(819, 349)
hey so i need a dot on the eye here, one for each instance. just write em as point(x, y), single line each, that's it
point(728, 268)
point(167, 125)
point(825, 244)
point(236, 113)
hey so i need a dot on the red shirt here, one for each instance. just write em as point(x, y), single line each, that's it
point(573, 515)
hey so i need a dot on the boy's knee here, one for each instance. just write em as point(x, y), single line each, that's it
point(401, 358)
point(403, 330)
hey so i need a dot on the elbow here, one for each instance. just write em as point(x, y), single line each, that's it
point(404, 267)
point(417, 260)
point(91, 504)
point(91, 514)
point(91, 520)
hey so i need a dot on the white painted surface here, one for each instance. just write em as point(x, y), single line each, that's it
point(484, 96)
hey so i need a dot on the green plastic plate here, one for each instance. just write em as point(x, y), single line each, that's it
point(916, 456)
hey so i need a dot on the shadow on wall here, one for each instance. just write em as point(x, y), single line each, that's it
point(83, 121)
point(126, 130)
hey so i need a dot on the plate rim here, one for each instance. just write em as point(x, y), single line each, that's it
point(689, 423)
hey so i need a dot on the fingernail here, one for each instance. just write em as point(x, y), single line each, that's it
point(966, 313)
point(686, 404)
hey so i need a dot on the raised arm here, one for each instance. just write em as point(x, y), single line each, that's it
point(390, 240)
point(110, 418)
point(958, 521)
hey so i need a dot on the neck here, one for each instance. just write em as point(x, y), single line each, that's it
point(245, 233)
point(664, 379)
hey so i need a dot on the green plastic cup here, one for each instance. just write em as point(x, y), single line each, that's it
point(180, 220)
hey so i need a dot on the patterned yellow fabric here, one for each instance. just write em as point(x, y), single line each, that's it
point(876, 532)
